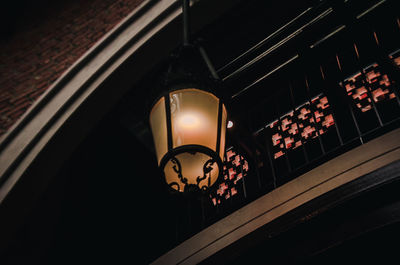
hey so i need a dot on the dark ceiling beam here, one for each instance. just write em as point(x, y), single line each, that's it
point(347, 212)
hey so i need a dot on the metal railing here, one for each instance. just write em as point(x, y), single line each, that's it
point(340, 95)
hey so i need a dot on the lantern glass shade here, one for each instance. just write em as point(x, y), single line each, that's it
point(188, 127)
point(158, 125)
point(194, 118)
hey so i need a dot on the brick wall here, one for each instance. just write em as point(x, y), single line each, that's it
point(36, 55)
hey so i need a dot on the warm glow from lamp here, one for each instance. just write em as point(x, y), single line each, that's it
point(189, 137)
point(190, 121)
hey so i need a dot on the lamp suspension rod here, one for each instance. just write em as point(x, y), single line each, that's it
point(186, 27)
point(208, 62)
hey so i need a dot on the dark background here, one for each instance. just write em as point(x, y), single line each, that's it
point(109, 204)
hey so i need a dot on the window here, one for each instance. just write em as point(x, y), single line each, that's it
point(307, 121)
point(235, 168)
point(369, 84)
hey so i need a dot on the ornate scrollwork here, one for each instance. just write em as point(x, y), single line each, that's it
point(207, 168)
point(172, 184)
point(178, 170)
point(177, 167)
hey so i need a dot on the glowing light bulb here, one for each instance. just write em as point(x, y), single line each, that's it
point(230, 124)
point(189, 121)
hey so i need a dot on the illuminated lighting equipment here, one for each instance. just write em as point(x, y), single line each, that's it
point(188, 121)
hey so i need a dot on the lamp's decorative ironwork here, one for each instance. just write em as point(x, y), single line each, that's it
point(188, 121)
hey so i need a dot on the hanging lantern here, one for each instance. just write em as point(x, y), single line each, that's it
point(189, 121)
point(188, 126)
